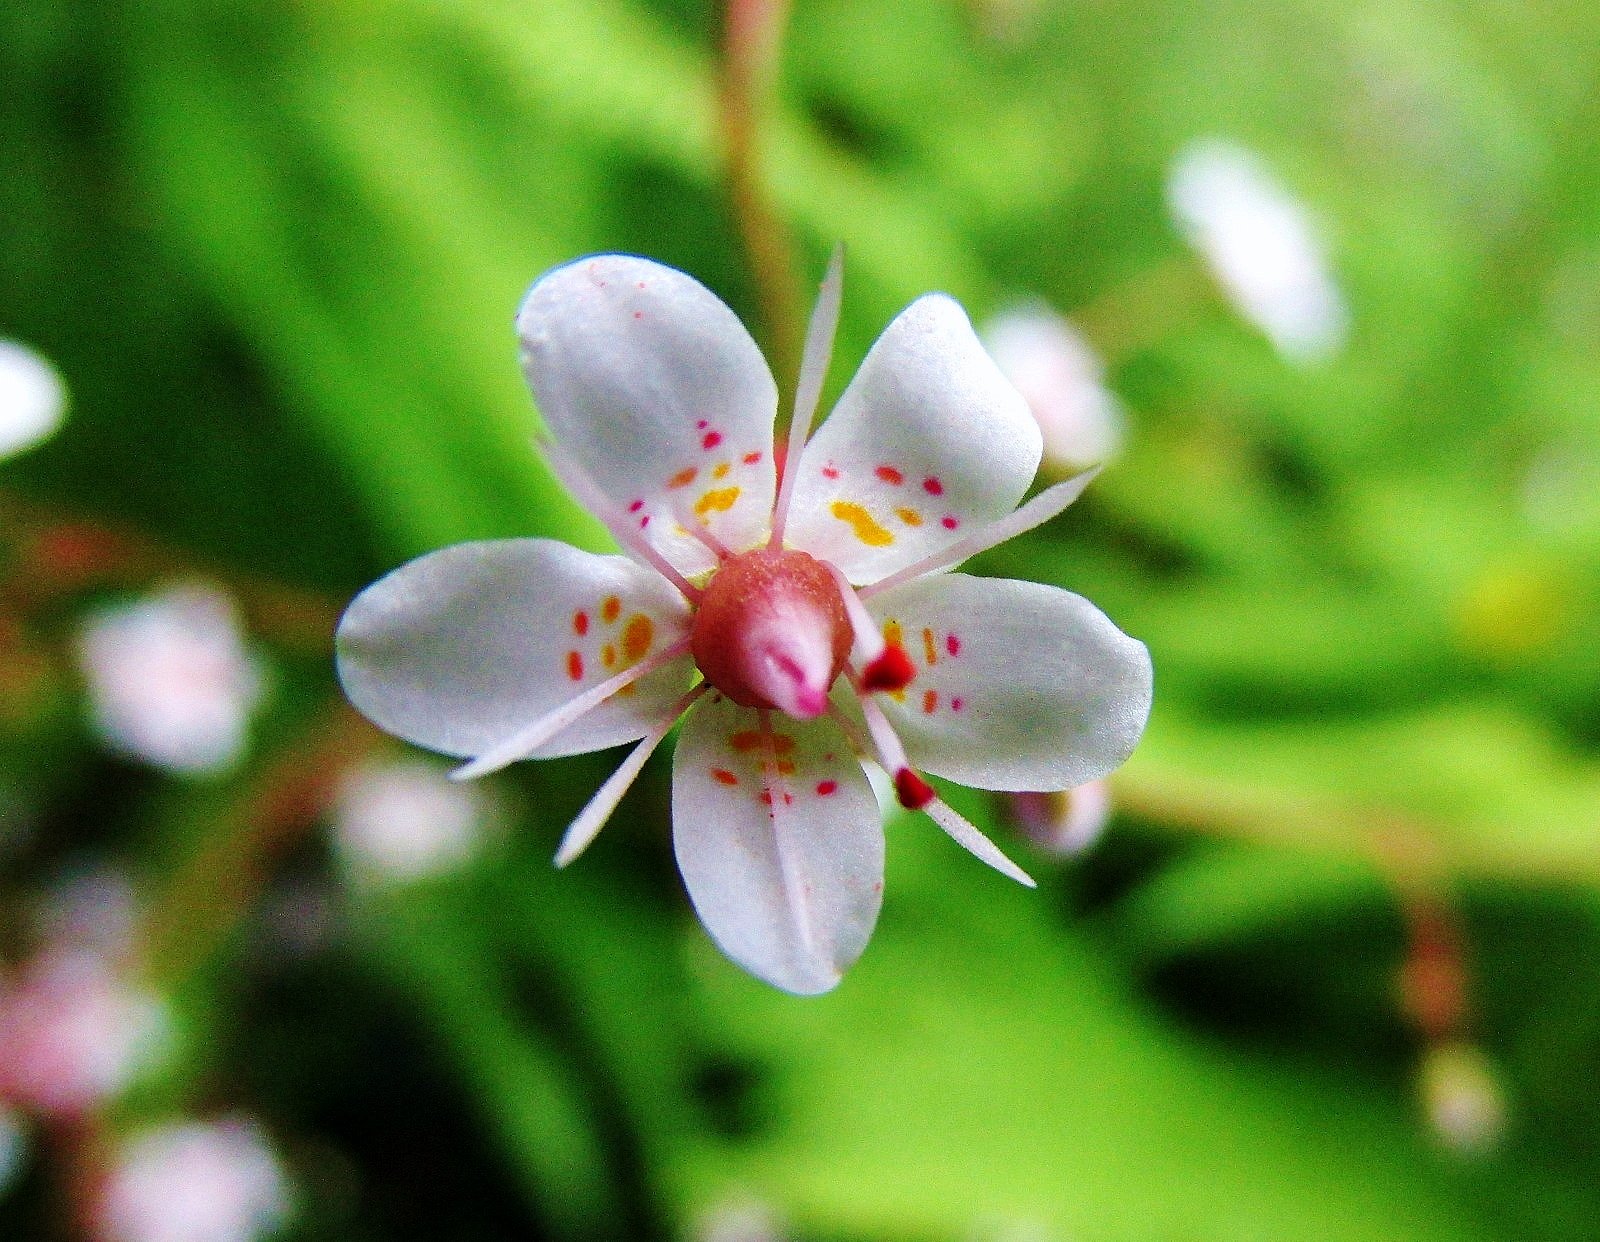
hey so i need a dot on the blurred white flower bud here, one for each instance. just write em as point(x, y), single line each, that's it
point(193, 1182)
point(32, 398)
point(1062, 379)
point(73, 1033)
point(1262, 246)
point(1067, 822)
point(402, 821)
point(170, 678)
point(741, 1220)
point(1462, 1097)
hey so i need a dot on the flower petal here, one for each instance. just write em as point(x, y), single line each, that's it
point(779, 841)
point(658, 392)
point(1018, 686)
point(459, 649)
point(928, 440)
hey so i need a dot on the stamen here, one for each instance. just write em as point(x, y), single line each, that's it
point(1036, 512)
point(788, 864)
point(710, 542)
point(593, 817)
point(525, 741)
point(892, 670)
point(589, 494)
point(869, 642)
point(813, 370)
point(967, 835)
point(917, 795)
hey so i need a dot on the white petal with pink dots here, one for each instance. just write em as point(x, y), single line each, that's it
point(1018, 686)
point(778, 837)
point(928, 441)
point(464, 647)
point(658, 392)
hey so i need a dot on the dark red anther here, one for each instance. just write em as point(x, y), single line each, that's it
point(914, 792)
point(892, 670)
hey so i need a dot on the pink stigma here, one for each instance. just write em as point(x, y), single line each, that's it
point(772, 631)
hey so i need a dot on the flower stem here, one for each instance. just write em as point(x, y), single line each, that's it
point(753, 34)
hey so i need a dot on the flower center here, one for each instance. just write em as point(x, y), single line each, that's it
point(772, 631)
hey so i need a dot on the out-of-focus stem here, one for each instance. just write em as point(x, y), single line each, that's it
point(753, 35)
point(218, 884)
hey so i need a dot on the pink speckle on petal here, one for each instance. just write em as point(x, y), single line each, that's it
point(701, 425)
point(636, 506)
point(949, 523)
point(952, 644)
point(824, 788)
point(830, 472)
point(638, 314)
point(712, 439)
point(644, 521)
point(751, 459)
point(932, 486)
point(957, 704)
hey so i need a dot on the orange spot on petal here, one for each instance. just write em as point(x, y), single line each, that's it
point(580, 623)
point(890, 475)
point(861, 523)
point(608, 655)
point(930, 650)
point(751, 459)
point(824, 788)
point(610, 609)
point(909, 516)
point(724, 777)
point(637, 636)
point(683, 478)
point(575, 665)
point(717, 500)
point(930, 702)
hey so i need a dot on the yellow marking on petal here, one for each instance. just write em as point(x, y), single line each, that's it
point(717, 500)
point(608, 656)
point(637, 636)
point(721, 470)
point(893, 635)
point(909, 516)
point(929, 651)
point(861, 523)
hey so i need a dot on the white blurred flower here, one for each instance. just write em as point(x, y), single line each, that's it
point(1462, 1097)
point(1062, 379)
point(194, 1182)
point(32, 398)
point(171, 680)
point(1065, 823)
point(73, 1033)
point(1262, 245)
point(741, 1220)
point(405, 820)
point(13, 1147)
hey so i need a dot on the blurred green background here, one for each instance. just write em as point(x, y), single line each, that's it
point(274, 249)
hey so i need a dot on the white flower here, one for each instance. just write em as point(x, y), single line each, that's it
point(193, 1182)
point(1061, 378)
point(1264, 248)
point(32, 398)
point(1066, 821)
point(73, 1033)
point(170, 679)
point(815, 611)
point(404, 821)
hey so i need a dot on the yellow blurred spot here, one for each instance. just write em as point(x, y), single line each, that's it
point(721, 471)
point(861, 523)
point(1512, 611)
point(909, 516)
